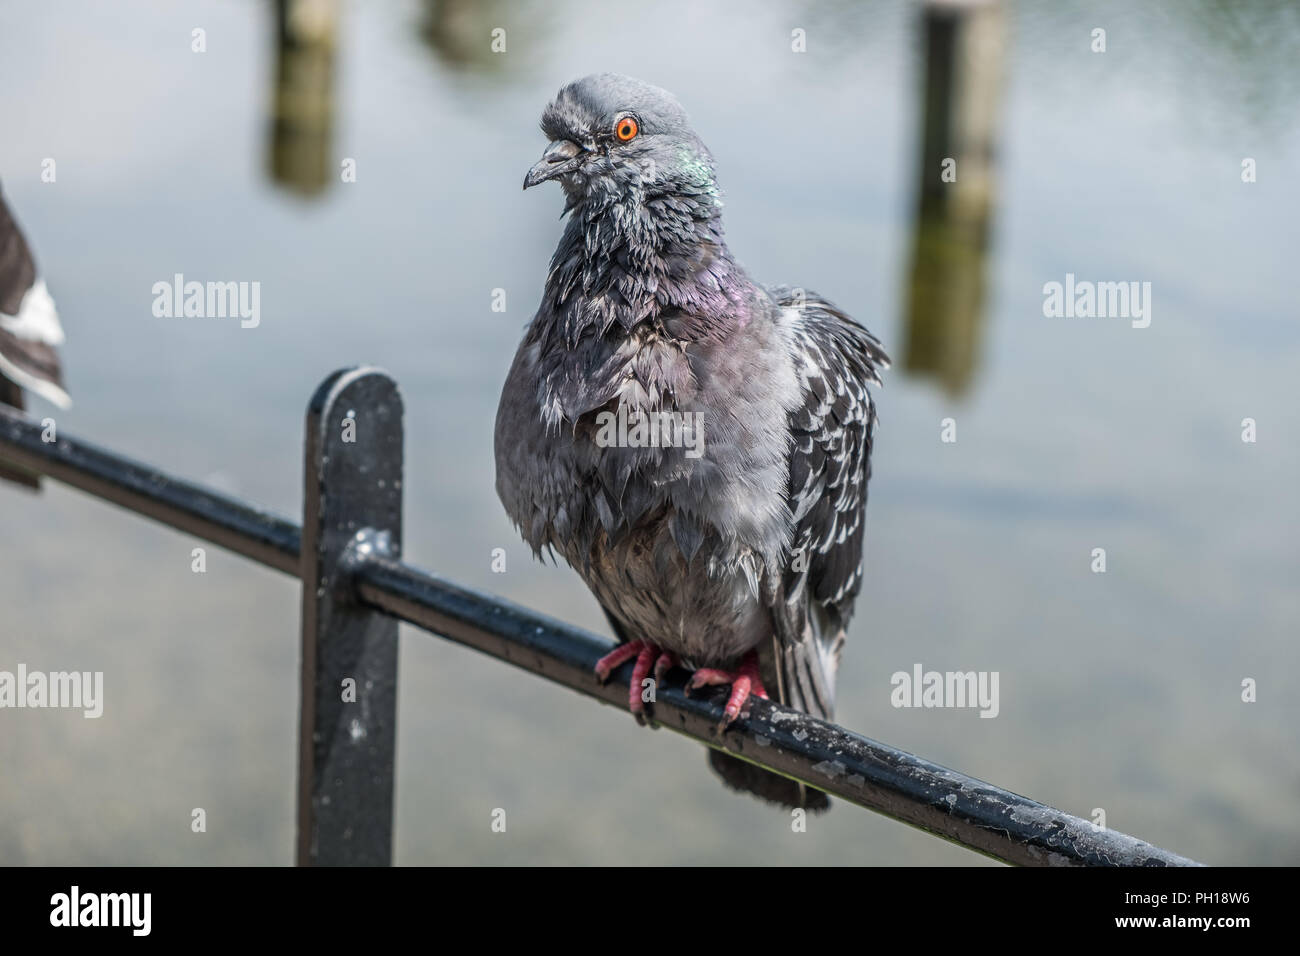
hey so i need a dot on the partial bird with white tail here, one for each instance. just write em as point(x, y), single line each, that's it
point(29, 332)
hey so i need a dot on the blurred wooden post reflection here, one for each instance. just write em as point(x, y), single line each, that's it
point(303, 119)
point(460, 32)
point(964, 43)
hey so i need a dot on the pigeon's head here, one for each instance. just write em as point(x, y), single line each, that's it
point(615, 138)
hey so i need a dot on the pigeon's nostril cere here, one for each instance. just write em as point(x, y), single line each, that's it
point(553, 163)
point(561, 151)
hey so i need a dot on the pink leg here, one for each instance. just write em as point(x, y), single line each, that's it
point(749, 668)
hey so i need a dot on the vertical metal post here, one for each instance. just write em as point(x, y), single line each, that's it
point(352, 504)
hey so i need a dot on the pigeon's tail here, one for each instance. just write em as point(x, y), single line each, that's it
point(784, 666)
point(782, 791)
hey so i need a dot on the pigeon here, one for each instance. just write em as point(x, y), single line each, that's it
point(29, 331)
point(695, 445)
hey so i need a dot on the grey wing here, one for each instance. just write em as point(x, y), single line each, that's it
point(830, 465)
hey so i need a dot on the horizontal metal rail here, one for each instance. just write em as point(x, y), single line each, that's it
point(861, 771)
point(266, 538)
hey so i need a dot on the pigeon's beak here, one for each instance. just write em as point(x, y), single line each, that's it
point(561, 156)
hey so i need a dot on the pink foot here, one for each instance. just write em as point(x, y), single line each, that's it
point(648, 658)
point(745, 682)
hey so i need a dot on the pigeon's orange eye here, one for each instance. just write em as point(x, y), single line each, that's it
point(626, 129)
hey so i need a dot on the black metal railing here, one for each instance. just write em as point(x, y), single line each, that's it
point(355, 589)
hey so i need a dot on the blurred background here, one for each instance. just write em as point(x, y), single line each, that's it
point(1119, 691)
